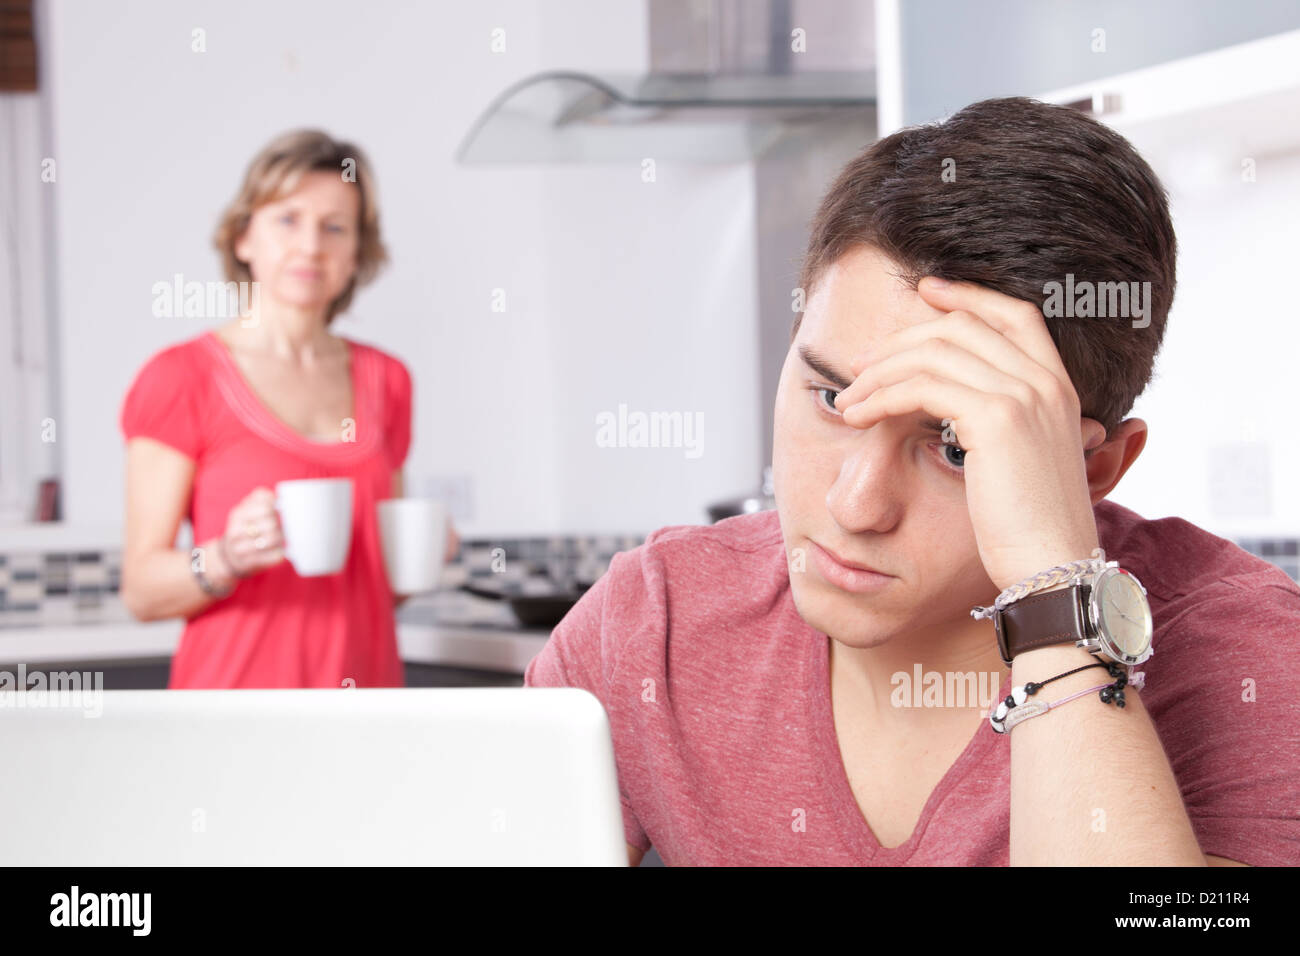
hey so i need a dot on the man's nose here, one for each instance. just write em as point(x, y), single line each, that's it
point(867, 493)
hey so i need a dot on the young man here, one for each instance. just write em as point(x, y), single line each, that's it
point(780, 686)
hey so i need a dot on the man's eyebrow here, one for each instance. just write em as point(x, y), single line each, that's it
point(819, 364)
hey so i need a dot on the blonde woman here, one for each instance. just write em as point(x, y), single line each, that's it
point(212, 423)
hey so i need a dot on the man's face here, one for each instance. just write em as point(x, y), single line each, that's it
point(889, 497)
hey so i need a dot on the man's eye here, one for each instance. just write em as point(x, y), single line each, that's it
point(958, 457)
point(829, 402)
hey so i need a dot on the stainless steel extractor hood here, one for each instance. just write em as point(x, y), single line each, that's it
point(728, 81)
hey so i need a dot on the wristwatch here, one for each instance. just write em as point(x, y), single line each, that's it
point(1107, 614)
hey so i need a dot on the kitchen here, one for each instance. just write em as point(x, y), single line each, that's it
point(593, 212)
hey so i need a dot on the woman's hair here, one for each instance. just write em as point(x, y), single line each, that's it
point(1013, 194)
point(275, 173)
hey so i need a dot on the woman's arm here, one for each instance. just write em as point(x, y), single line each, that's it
point(157, 582)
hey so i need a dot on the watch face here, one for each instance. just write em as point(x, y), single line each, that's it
point(1123, 613)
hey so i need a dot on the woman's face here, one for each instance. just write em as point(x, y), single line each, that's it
point(302, 249)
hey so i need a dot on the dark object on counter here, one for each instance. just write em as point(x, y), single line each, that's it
point(764, 500)
point(534, 610)
point(47, 501)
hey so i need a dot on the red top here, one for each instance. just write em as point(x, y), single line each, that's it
point(718, 699)
point(278, 629)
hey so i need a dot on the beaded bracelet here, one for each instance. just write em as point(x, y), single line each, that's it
point(1036, 707)
point(1017, 707)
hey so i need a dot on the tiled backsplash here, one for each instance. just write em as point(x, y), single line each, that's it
point(40, 589)
point(60, 588)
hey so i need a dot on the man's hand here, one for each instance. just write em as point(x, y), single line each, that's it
point(991, 367)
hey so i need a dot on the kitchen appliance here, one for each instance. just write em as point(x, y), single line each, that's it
point(762, 500)
point(787, 85)
point(728, 81)
point(534, 610)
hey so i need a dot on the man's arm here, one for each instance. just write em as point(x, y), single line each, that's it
point(1090, 782)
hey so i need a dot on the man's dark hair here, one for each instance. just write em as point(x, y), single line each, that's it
point(1039, 191)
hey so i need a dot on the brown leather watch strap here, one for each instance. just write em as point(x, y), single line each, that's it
point(1052, 617)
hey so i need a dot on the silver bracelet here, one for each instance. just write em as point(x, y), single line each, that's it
point(208, 587)
point(1045, 579)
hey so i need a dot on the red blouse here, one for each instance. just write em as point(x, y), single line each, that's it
point(277, 629)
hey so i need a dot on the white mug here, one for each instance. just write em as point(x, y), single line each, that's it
point(316, 515)
point(413, 532)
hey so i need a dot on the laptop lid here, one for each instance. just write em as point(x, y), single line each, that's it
point(441, 776)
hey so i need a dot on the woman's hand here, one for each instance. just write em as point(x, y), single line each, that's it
point(253, 540)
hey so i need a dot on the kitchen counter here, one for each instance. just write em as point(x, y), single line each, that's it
point(447, 628)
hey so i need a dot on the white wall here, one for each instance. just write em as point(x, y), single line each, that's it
point(617, 290)
point(1222, 451)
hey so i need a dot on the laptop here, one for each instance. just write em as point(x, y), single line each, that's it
point(394, 776)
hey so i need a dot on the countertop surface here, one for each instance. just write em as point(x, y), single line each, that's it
point(446, 627)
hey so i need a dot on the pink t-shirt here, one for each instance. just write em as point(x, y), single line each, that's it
point(718, 699)
point(278, 629)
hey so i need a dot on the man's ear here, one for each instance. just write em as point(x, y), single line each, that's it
point(1108, 459)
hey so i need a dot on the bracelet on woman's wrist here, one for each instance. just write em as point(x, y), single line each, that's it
point(206, 584)
point(208, 587)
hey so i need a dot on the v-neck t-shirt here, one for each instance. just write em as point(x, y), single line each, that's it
point(718, 698)
point(277, 629)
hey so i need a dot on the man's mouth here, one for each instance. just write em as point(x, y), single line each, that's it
point(845, 575)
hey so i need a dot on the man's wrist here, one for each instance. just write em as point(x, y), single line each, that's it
point(1040, 663)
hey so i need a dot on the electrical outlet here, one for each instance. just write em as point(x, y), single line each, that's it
point(454, 491)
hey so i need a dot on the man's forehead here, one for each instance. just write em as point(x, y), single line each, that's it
point(860, 299)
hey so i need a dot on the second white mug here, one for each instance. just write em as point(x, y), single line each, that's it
point(414, 536)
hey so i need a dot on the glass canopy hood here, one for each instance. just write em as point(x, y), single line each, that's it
point(569, 117)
